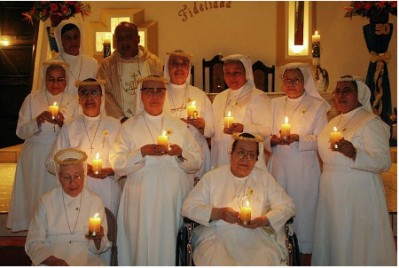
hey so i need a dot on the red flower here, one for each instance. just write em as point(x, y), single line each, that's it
point(367, 6)
point(53, 7)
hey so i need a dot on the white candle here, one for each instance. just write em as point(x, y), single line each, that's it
point(245, 213)
point(163, 140)
point(316, 37)
point(53, 110)
point(335, 136)
point(94, 225)
point(191, 110)
point(97, 164)
point(228, 120)
point(285, 129)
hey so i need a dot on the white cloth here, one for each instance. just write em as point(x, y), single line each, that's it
point(178, 98)
point(221, 243)
point(81, 66)
point(49, 232)
point(296, 166)
point(250, 107)
point(73, 135)
point(31, 177)
point(149, 213)
point(352, 223)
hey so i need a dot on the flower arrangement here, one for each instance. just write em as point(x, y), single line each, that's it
point(370, 8)
point(57, 11)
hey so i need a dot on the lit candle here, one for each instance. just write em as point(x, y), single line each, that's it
point(94, 225)
point(97, 164)
point(106, 46)
point(316, 37)
point(191, 110)
point(163, 140)
point(285, 129)
point(245, 213)
point(335, 137)
point(228, 120)
point(53, 110)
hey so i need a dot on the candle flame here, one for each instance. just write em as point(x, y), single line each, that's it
point(96, 215)
point(164, 133)
point(55, 103)
point(316, 32)
point(247, 204)
point(193, 103)
point(335, 129)
point(229, 113)
point(98, 156)
point(286, 120)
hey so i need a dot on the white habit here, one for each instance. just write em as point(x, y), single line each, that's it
point(149, 213)
point(49, 233)
point(296, 166)
point(221, 243)
point(352, 223)
point(31, 177)
point(101, 134)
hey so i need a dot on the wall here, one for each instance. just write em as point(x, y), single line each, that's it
point(250, 28)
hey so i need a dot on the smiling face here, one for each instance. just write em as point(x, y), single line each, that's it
point(71, 178)
point(153, 95)
point(55, 79)
point(234, 74)
point(71, 41)
point(90, 99)
point(345, 96)
point(179, 68)
point(293, 83)
point(243, 158)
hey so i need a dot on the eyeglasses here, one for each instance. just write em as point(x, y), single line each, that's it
point(287, 81)
point(343, 92)
point(250, 156)
point(84, 93)
point(149, 91)
point(56, 79)
point(68, 178)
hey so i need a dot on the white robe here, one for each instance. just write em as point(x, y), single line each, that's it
point(221, 243)
point(49, 233)
point(178, 98)
point(80, 68)
point(252, 110)
point(296, 166)
point(73, 135)
point(352, 223)
point(149, 213)
point(31, 177)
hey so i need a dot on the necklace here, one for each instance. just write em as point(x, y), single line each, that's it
point(129, 86)
point(240, 191)
point(71, 232)
point(182, 107)
point(347, 123)
point(149, 130)
point(94, 136)
point(296, 108)
point(80, 69)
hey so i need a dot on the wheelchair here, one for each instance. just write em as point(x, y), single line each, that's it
point(184, 246)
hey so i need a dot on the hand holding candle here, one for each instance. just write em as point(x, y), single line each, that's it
point(285, 129)
point(191, 110)
point(228, 120)
point(97, 164)
point(163, 140)
point(245, 213)
point(53, 109)
point(94, 225)
point(335, 136)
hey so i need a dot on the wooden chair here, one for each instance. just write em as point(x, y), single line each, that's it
point(214, 75)
point(112, 236)
point(264, 76)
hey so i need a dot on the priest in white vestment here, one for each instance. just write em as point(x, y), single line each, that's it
point(189, 104)
point(225, 235)
point(294, 161)
point(249, 106)
point(39, 130)
point(69, 35)
point(352, 222)
point(58, 234)
point(156, 152)
point(123, 69)
point(93, 132)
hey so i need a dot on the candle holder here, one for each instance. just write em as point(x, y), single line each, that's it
point(106, 49)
